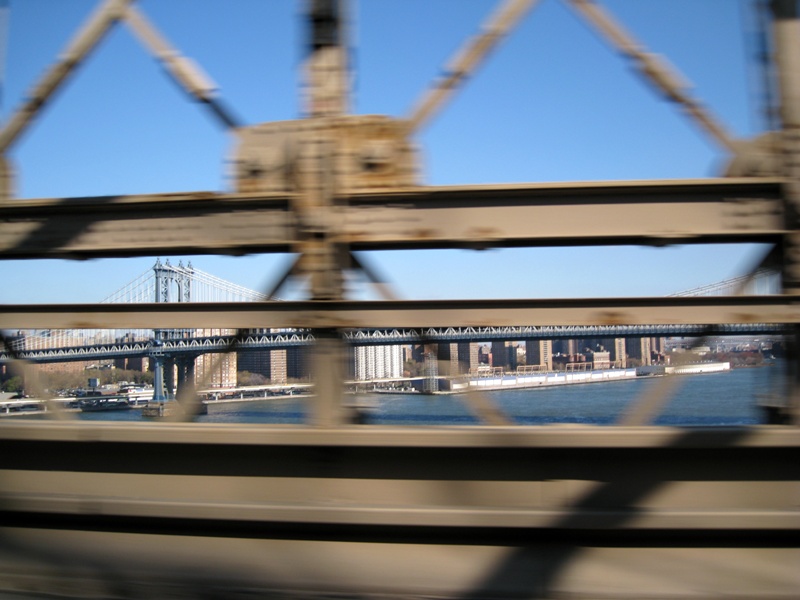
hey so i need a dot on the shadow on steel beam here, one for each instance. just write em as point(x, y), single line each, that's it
point(531, 570)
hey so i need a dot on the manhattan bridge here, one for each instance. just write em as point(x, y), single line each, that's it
point(165, 282)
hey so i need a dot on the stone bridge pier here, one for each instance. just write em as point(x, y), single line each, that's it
point(165, 369)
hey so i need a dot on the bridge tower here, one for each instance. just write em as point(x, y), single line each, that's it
point(172, 284)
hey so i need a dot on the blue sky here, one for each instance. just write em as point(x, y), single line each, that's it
point(552, 103)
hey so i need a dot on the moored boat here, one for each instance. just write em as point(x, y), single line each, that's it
point(104, 403)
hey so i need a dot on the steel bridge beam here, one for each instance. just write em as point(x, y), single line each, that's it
point(613, 213)
point(229, 343)
point(412, 314)
point(546, 508)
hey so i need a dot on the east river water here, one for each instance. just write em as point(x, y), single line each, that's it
point(716, 399)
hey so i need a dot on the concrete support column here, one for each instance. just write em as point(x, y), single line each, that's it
point(169, 377)
point(158, 381)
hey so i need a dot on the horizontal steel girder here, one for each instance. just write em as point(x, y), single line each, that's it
point(419, 313)
point(611, 213)
point(124, 505)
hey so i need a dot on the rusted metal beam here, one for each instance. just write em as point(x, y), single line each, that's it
point(521, 436)
point(199, 222)
point(468, 59)
point(718, 506)
point(655, 69)
point(417, 313)
point(78, 49)
point(326, 72)
point(612, 213)
point(183, 71)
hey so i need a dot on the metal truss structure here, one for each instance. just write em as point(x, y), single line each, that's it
point(44, 346)
point(336, 508)
point(242, 342)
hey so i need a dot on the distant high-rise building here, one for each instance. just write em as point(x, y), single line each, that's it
point(639, 349)
point(377, 362)
point(448, 357)
point(468, 357)
point(500, 355)
point(430, 372)
point(512, 356)
point(278, 365)
point(658, 348)
point(278, 371)
point(408, 353)
point(539, 352)
point(658, 345)
point(618, 353)
point(215, 370)
point(298, 363)
point(569, 347)
point(254, 361)
point(504, 355)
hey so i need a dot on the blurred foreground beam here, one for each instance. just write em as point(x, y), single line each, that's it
point(550, 214)
point(419, 313)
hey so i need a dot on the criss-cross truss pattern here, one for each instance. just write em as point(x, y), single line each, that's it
point(331, 184)
point(336, 506)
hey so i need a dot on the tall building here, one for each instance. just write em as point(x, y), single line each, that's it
point(254, 361)
point(430, 372)
point(567, 347)
point(539, 352)
point(215, 370)
point(639, 349)
point(448, 357)
point(504, 355)
point(512, 356)
point(496, 354)
point(298, 363)
point(618, 353)
point(658, 347)
point(658, 344)
point(377, 362)
point(279, 366)
point(468, 357)
point(278, 371)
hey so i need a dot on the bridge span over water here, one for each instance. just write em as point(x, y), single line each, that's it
point(243, 342)
point(167, 283)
